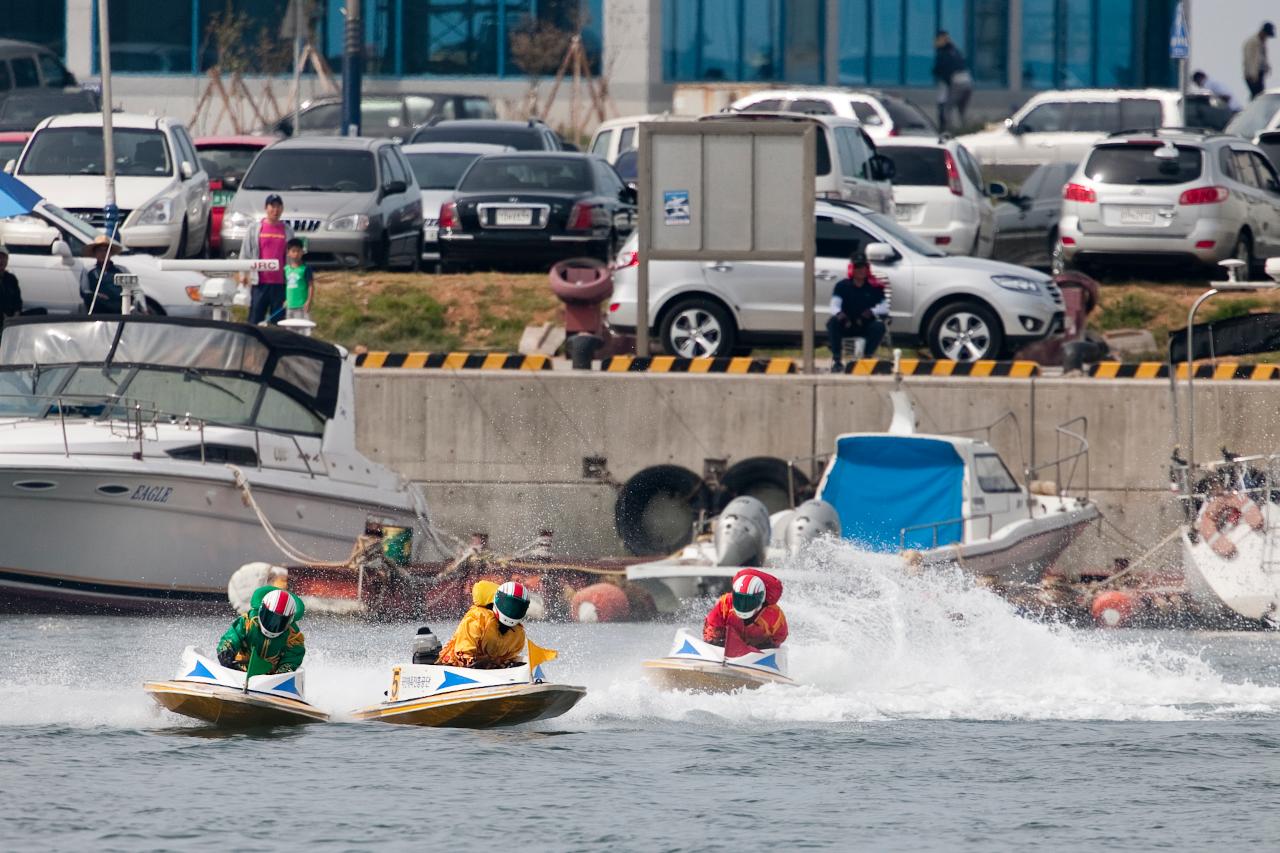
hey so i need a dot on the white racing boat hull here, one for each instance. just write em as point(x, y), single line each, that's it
point(203, 690)
point(455, 697)
point(699, 667)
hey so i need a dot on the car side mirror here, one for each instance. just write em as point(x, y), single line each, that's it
point(880, 253)
point(395, 187)
point(186, 170)
point(62, 249)
point(998, 190)
point(629, 195)
point(1013, 127)
point(10, 166)
point(230, 182)
point(882, 168)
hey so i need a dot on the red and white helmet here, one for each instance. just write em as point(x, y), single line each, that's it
point(748, 596)
point(511, 603)
point(276, 612)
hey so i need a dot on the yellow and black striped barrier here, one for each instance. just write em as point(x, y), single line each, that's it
point(1160, 370)
point(671, 364)
point(454, 360)
point(924, 367)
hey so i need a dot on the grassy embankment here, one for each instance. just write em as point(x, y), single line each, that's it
point(488, 311)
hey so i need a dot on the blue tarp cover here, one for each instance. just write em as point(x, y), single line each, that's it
point(880, 484)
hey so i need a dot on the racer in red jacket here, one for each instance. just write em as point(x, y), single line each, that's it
point(750, 613)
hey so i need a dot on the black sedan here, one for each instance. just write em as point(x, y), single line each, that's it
point(530, 209)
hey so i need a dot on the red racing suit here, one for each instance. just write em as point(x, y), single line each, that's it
point(767, 630)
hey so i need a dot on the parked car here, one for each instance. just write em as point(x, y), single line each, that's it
point(1027, 219)
point(24, 65)
point(162, 191)
point(882, 115)
point(939, 194)
point(961, 308)
point(25, 109)
point(1172, 195)
point(439, 166)
point(1064, 125)
point(531, 135)
point(1262, 113)
point(536, 208)
point(11, 145)
point(46, 253)
point(1268, 141)
point(392, 116)
point(617, 136)
point(225, 159)
point(856, 173)
point(354, 200)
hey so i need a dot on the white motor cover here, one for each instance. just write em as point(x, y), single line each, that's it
point(811, 520)
point(742, 533)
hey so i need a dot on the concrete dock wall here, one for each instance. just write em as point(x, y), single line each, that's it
point(504, 452)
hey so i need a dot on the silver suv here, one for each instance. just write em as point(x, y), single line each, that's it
point(1173, 196)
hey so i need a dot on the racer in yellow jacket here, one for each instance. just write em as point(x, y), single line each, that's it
point(490, 638)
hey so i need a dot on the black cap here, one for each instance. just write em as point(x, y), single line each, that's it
point(1269, 29)
point(858, 258)
point(274, 198)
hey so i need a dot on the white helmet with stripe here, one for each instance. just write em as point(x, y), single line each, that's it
point(511, 603)
point(748, 596)
point(276, 612)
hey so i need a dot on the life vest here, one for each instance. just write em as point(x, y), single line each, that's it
point(1220, 515)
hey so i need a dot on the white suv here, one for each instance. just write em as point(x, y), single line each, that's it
point(939, 195)
point(964, 309)
point(882, 115)
point(161, 188)
point(1064, 125)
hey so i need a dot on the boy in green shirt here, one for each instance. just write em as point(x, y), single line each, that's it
point(298, 292)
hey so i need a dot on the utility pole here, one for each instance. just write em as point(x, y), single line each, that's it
point(110, 209)
point(352, 62)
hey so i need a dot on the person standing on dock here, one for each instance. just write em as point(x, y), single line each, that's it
point(267, 238)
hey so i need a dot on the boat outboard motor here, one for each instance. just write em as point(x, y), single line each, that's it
point(811, 520)
point(426, 647)
point(742, 533)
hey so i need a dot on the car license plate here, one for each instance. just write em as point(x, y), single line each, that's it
point(431, 235)
point(1137, 216)
point(222, 198)
point(905, 212)
point(513, 216)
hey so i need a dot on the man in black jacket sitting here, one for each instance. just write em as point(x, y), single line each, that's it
point(857, 306)
point(10, 294)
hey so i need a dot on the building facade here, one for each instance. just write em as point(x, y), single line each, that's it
point(645, 47)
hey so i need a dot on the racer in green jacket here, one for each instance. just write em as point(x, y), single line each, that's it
point(267, 632)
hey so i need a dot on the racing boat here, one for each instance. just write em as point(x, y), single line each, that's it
point(703, 668)
point(458, 697)
point(206, 690)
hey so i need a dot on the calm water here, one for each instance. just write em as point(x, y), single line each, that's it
point(930, 718)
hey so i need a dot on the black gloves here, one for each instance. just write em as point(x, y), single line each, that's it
point(227, 657)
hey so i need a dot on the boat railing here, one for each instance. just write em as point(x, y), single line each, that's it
point(132, 419)
point(1074, 434)
point(1257, 477)
point(935, 526)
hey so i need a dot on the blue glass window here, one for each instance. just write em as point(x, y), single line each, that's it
point(42, 23)
point(1073, 43)
point(743, 40)
point(853, 41)
point(890, 42)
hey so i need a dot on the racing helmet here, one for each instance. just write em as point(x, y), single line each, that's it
point(276, 612)
point(511, 603)
point(748, 596)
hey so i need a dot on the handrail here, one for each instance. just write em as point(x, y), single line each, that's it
point(1081, 452)
point(962, 520)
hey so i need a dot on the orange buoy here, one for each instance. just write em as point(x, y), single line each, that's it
point(600, 602)
point(1113, 608)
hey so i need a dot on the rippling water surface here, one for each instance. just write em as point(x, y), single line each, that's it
point(930, 717)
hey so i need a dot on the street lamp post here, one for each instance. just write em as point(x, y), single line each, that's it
point(111, 211)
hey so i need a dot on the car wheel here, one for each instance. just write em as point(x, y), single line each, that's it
point(182, 242)
point(1057, 258)
point(965, 331)
point(1243, 251)
point(697, 328)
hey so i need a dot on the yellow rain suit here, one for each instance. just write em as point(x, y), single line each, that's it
point(478, 643)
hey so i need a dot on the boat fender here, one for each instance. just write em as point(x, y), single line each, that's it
point(1113, 608)
point(600, 602)
point(426, 647)
point(657, 507)
point(1220, 515)
point(769, 479)
point(245, 581)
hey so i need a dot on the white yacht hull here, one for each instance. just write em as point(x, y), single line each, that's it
point(1247, 584)
point(120, 535)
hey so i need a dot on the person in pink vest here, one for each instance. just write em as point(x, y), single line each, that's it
point(267, 238)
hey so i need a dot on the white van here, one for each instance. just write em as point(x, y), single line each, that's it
point(617, 136)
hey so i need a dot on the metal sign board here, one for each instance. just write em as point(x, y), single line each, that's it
point(725, 191)
point(1179, 37)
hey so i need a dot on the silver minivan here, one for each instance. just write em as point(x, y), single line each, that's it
point(847, 168)
point(354, 201)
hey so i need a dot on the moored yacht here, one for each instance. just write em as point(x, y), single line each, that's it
point(143, 459)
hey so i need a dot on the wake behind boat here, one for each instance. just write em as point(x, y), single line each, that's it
point(703, 668)
point(205, 690)
point(209, 444)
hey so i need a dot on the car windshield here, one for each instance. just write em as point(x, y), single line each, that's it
point(904, 236)
point(314, 170)
point(917, 167)
point(1138, 164)
point(78, 151)
point(440, 171)
point(527, 174)
point(907, 118)
point(1254, 118)
point(521, 139)
point(30, 110)
point(230, 161)
point(384, 117)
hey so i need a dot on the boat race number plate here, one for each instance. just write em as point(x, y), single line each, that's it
point(152, 494)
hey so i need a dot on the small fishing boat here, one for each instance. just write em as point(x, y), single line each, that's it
point(703, 668)
point(206, 690)
point(457, 697)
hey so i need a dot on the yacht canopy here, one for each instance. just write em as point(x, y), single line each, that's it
point(306, 370)
point(881, 484)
